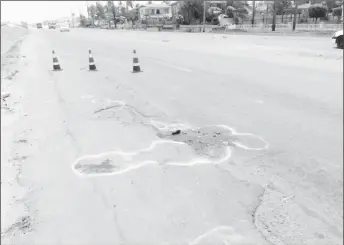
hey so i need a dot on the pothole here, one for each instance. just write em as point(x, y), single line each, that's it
point(104, 167)
point(209, 141)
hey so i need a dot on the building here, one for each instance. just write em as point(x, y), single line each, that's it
point(155, 10)
point(176, 7)
point(218, 4)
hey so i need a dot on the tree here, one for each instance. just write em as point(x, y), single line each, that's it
point(253, 12)
point(100, 11)
point(230, 11)
point(121, 8)
point(129, 4)
point(274, 17)
point(92, 11)
point(111, 10)
point(337, 12)
point(317, 12)
point(241, 11)
point(84, 22)
point(281, 6)
point(295, 13)
point(192, 10)
point(237, 10)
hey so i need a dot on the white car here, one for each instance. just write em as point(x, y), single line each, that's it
point(64, 28)
point(339, 38)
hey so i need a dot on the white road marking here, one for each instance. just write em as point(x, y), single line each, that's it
point(174, 126)
point(228, 235)
point(246, 134)
point(129, 155)
point(172, 66)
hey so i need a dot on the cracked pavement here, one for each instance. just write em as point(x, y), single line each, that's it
point(284, 189)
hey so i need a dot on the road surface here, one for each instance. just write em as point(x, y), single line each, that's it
point(89, 157)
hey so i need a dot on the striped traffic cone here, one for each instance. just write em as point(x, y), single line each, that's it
point(56, 65)
point(92, 66)
point(136, 65)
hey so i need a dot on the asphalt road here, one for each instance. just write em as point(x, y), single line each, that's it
point(280, 183)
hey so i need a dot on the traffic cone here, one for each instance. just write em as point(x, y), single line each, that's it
point(92, 66)
point(56, 65)
point(136, 65)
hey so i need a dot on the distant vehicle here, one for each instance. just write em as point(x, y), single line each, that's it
point(52, 26)
point(64, 29)
point(339, 39)
point(39, 25)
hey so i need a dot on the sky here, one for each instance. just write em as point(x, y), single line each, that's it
point(37, 11)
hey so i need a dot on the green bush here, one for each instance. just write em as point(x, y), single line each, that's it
point(337, 12)
point(317, 12)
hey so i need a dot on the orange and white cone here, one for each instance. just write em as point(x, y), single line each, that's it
point(136, 64)
point(92, 66)
point(56, 64)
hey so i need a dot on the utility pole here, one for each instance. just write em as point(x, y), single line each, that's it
point(204, 6)
point(342, 11)
point(295, 14)
point(253, 12)
point(114, 14)
point(274, 18)
point(267, 13)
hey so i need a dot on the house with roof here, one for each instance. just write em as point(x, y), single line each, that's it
point(155, 11)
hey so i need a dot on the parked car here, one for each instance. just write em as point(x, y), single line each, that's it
point(39, 25)
point(339, 38)
point(64, 28)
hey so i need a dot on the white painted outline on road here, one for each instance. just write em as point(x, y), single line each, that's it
point(247, 134)
point(165, 127)
point(172, 66)
point(175, 126)
point(196, 161)
point(227, 229)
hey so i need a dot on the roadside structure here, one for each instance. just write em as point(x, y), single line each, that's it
point(155, 11)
